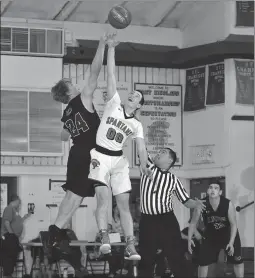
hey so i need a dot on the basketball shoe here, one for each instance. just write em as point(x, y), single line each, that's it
point(130, 251)
point(105, 247)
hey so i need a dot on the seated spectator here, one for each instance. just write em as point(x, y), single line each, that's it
point(11, 230)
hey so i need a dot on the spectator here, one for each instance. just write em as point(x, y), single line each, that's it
point(11, 230)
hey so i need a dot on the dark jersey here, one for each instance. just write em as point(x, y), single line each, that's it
point(80, 123)
point(216, 221)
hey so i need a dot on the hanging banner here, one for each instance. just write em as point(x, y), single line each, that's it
point(244, 82)
point(216, 85)
point(99, 101)
point(244, 13)
point(161, 116)
point(195, 89)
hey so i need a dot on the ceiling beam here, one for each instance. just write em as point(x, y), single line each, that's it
point(67, 10)
point(55, 13)
point(5, 4)
point(164, 9)
point(194, 9)
point(120, 1)
point(167, 57)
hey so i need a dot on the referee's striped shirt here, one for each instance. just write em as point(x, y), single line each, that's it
point(156, 195)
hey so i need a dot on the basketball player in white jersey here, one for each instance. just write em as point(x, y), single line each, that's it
point(109, 167)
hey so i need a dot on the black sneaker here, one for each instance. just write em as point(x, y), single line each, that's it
point(81, 272)
point(47, 249)
point(55, 236)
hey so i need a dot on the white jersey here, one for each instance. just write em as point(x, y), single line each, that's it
point(116, 126)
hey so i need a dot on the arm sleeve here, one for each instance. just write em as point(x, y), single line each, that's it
point(114, 100)
point(150, 163)
point(139, 131)
point(180, 192)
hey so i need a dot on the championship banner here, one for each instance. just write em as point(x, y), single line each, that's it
point(244, 82)
point(244, 13)
point(99, 101)
point(216, 85)
point(161, 116)
point(195, 89)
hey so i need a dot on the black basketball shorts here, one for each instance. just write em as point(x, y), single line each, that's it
point(212, 245)
point(77, 180)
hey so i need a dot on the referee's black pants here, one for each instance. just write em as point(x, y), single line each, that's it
point(162, 231)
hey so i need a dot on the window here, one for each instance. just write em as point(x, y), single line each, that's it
point(54, 41)
point(32, 41)
point(20, 40)
point(14, 121)
point(37, 40)
point(5, 39)
point(30, 123)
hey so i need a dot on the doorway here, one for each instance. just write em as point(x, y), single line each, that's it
point(9, 186)
point(198, 187)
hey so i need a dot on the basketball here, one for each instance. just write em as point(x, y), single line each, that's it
point(119, 17)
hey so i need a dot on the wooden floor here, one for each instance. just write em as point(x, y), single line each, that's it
point(248, 270)
point(248, 257)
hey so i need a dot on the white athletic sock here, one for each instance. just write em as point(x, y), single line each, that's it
point(57, 226)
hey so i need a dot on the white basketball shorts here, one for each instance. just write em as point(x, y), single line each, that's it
point(112, 171)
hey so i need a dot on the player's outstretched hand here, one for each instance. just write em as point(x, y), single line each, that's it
point(111, 40)
point(103, 39)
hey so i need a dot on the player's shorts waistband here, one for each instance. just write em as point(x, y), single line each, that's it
point(108, 152)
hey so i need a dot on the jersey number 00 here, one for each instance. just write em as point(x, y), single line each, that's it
point(113, 135)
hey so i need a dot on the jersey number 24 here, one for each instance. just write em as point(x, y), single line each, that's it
point(77, 125)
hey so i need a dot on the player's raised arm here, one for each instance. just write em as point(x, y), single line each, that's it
point(91, 75)
point(111, 80)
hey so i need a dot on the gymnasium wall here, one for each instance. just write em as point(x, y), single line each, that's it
point(209, 126)
point(240, 156)
point(29, 72)
point(233, 150)
point(203, 127)
point(34, 172)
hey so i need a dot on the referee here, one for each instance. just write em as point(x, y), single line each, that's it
point(159, 227)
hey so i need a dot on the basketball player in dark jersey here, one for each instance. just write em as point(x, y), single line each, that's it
point(81, 122)
point(221, 232)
